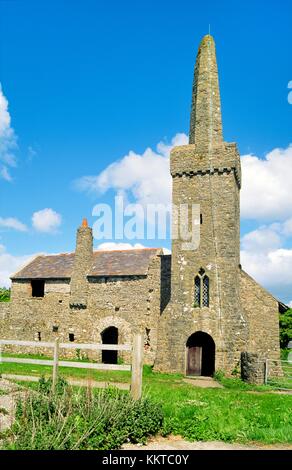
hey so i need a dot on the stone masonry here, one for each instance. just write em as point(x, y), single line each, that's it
point(198, 310)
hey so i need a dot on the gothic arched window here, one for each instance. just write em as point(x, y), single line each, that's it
point(198, 291)
point(202, 284)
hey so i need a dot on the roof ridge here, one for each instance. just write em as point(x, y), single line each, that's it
point(58, 254)
point(126, 250)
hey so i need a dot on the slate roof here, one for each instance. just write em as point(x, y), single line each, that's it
point(105, 263)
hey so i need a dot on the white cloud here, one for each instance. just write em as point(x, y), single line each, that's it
point(110, 246)
point(264, 258)
point(46, 220)
point(273, 269)
point(145, 176)
point(32, 153)
point(268, 182)
point(265, 196)
point(10, 264)
point(8, 139)
point(12, 223)
point(4, 173)
point(263, 239)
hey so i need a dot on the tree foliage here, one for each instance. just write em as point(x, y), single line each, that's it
point(4, 294)
point(285, 328)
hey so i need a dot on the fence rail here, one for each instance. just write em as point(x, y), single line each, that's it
point(135, 367)
point(45, 344)
point(279, 373)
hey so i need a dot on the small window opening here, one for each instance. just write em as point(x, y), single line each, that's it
point(37, 288)
point(39, 336)
point(201, 219)
point(147, 337)
point(71, 337)
point(55, 329)
point(117, 309)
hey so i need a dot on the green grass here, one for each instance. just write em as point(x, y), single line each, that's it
point(228, 415)
point(38, 370)
point(80, 419)
point(105, 376)
point(281, 383)
point(238, 412)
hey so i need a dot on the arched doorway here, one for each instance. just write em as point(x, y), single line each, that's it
point(200, 354)
point(109, 336)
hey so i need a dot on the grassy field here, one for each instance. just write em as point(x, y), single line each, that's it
point(238, 412)
point(38, 370)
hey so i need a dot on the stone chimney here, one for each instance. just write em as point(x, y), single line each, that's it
point(81, 267)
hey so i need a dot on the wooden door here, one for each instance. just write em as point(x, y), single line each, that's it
point(194, 366)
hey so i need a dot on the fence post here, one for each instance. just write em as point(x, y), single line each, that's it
point(137, 366)
point(56, 363)
point(266, 371)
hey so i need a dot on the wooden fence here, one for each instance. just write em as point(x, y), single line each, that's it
point(135, 367)
point(282, 381)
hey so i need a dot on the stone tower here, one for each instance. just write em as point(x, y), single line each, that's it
point(203, 327)
point(81, 267)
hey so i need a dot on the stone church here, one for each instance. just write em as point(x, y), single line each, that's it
point(198, 309)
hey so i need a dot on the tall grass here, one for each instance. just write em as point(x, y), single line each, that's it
point(81, 419)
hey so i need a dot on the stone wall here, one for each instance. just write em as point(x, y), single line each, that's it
point(4, 317)
point(217, 192)
point(4, 310)
point(132, 304)
point(262, 312)
point(252, 368)
point(59, 286)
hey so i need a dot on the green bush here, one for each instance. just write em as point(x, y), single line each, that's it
point(284, 354)
point(81, 356)
point(285, 328)
point(84, 419)
point(4, 294)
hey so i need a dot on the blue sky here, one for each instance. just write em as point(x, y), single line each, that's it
point(88, 81)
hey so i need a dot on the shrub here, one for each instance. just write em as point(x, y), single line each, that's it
point(81, 356)
point(84, 419)
point(285, 328)
point(219, 375)
point(4, 294)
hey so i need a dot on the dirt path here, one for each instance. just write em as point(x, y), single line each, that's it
point(177, 443)
point(204, 382)
point(76, 382)
point(8, 402)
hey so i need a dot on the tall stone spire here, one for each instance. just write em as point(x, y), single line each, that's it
point(206, 123)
